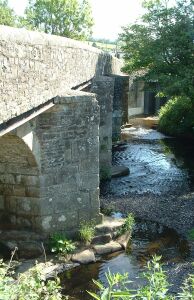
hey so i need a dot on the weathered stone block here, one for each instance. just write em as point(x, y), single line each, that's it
point(84, 257)
point(2, 204)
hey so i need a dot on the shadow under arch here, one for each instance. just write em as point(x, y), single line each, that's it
point(19, 185)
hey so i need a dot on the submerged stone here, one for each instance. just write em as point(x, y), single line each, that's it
point(118, 171)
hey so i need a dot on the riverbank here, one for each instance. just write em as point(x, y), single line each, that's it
point(160, 186)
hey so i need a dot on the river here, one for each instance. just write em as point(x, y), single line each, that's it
point(159, 190)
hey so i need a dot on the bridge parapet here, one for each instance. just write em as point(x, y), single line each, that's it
point(36, 67)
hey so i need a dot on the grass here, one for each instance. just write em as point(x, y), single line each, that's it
point(87, 232)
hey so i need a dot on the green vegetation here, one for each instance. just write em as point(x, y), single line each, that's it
point(160, 47)
point(105, 173)
point(29, 285)
point(128, 224)
point(7, 16)
point(191, 234)
point(87, 232)
point(107, 211)
point(60, 244)
point(177, 116)
point(69, 18)
point(157, 287)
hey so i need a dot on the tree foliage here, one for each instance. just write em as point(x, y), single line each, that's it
point(176, 117)
point(161, 46)
point(7, 16)
point(69, 18)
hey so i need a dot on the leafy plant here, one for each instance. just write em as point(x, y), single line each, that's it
point(114, 281)
point(87, 231)
point(159, 47)
point(187, 289)
point(7, 16)
point(105, 173)
point(128, 224)
point(60, 244)
point(177, 116)
point(191, 234)
point(29, 285)
point(69, 18)
point(155, 289)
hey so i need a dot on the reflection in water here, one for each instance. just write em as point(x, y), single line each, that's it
point(158, 166)
point(78, 280)
point(183, 155)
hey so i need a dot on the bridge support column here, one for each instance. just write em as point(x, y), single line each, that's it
point(103, 87)
point(68, 135)
point(120, 104)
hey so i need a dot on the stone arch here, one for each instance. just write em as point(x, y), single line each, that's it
point(19, 185)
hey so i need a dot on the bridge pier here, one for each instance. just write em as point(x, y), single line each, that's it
point(56, 182)
point(68, 135)
point(103, 87)
point(49, 149)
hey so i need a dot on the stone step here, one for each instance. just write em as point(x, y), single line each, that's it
point(109, 225)
point(107, 248)
point(102, 239)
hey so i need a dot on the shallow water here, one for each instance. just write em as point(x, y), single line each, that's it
point(158, 166)
point(169, 245)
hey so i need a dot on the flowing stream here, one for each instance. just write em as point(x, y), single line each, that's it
point(160, 167)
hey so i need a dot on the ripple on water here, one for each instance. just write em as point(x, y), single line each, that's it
point(78, 280)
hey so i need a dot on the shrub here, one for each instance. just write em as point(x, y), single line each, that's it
point(128, 224)
point(176, 117)
point(187, 289)
point(60, 244)
point(156, 287)
point(29, 285)
point(190, 234)
point(87, 231)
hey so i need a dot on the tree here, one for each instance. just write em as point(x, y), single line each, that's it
point(161, 46)
point(70, 18)
point(7, 16)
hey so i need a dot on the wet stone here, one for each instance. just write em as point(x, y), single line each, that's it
point(84, 257)
point(118, 171)
point(102, 239)
point(107, 248)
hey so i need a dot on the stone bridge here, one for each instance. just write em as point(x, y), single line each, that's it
point(60, 100)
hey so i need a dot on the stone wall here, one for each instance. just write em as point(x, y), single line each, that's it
point(120, 104)
point(103, 87)
point(50, 182)
point(69, 142)
point(19, 185)
point(136, 98)
point(36, 67)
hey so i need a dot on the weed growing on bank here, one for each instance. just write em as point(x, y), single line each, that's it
point(87, 232)
point(28, 286)
point(128, 224)
point(157, 287)
point(60, 244)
